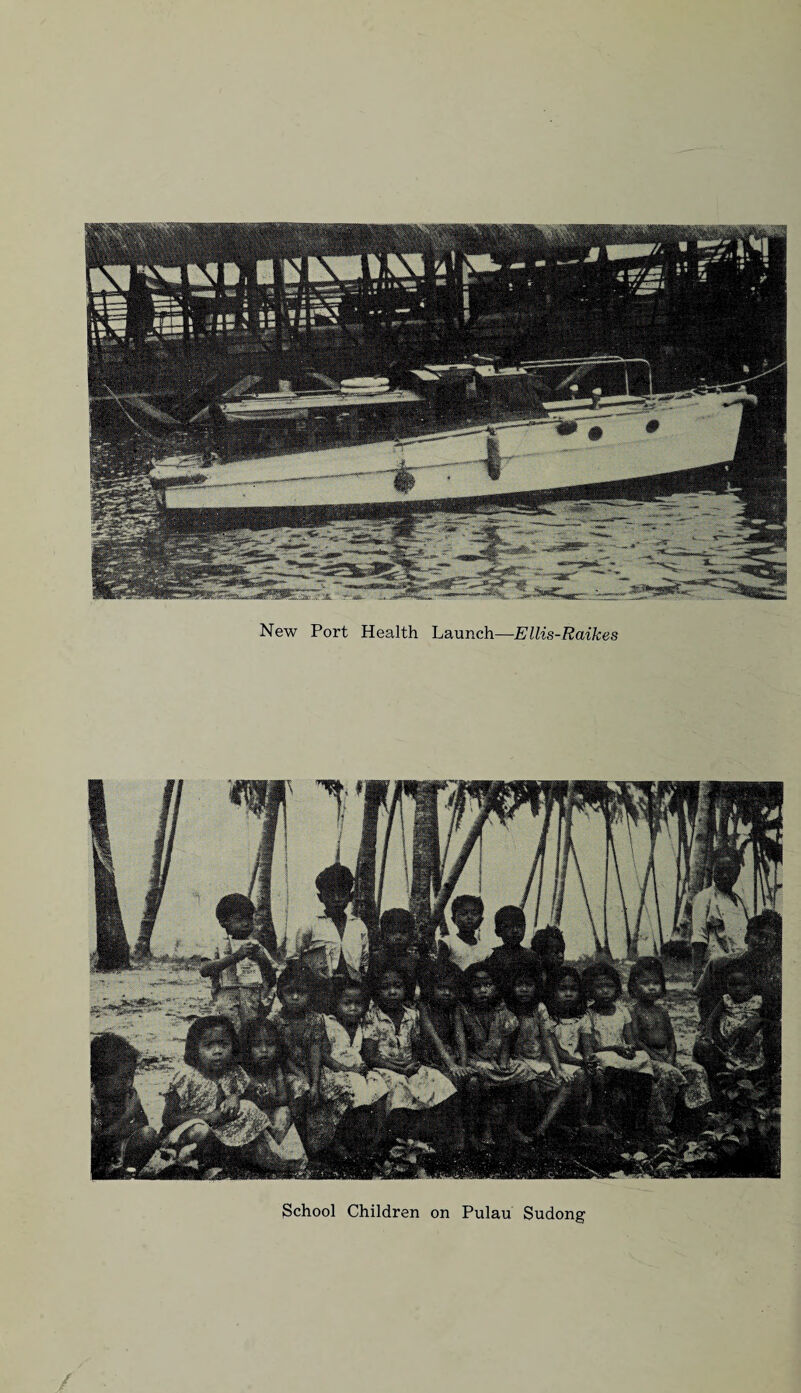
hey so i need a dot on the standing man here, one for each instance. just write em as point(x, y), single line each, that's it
point(719, 915)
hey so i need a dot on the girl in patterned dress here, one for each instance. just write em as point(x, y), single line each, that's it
point(653, 1030)
point(357, 1108)
point(205, 1104)
point(731, 1041)
point(267, 1088)
point(534, 1043)
point(392, 1047)
point(320, 1095)
point(567, 1006)
point(620, 1072)
point(490, 1028)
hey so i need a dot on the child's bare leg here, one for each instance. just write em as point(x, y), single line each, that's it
point(140, 1147)
point(519, 1109)
point(557, 1102)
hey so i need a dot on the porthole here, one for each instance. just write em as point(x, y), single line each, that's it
point(595, 432)
point(651, 426)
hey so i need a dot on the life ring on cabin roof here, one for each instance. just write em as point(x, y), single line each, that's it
point(366, 386)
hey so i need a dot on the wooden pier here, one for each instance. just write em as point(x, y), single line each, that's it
point(178, 313)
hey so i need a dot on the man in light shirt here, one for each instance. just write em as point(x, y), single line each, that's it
point(335, 943)
point(719, 914)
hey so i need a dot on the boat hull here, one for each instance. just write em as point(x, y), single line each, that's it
point(570, 451)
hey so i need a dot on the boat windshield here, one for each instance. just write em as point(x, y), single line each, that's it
point(559, 374)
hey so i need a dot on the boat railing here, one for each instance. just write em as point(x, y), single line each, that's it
point(596, 360)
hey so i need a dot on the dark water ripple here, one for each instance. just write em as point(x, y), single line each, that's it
point(709, 543)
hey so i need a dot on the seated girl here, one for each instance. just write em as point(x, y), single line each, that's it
point(442, 1038)
point(122, 1139)
point(653, 1030)
point(567, 1007)
point(355, 1111)
point(731, 1041)
point(490, 1029)
point(320, 1095)
point(267, 1088)
point(534, 1043)
point(392, 1047)
point(205, 1106)
point(548, 945)
point(621, 1074)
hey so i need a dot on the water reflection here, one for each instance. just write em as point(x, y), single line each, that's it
point(712, 542)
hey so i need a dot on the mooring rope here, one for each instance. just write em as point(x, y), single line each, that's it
point(136, 424)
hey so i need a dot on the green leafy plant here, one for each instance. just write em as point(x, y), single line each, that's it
point(745, 1129)
point(406, 1160)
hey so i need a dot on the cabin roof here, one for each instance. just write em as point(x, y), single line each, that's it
point(186, 243)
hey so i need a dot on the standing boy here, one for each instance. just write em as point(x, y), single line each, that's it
point(243, 974)
point(335, 943)
point(464, 947)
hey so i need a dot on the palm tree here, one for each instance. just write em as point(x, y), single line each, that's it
point(112, 945)
point(364, 898)
point(157, 879)
point(425, 857)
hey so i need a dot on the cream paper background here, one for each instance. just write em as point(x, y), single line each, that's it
point(513, 111)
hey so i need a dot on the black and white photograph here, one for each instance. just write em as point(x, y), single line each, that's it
point(432, 410)
point(377, 979)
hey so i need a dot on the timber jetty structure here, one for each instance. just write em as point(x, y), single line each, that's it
point(180, 315)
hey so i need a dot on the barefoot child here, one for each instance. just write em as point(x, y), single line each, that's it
point(357, 1110)
point(653, 1030)
point(490, 1028)
point(319, 1096)
point(392, 1047)
point(205, 1105)
point(122, 1139)
point(534, 1044)
point(567, 1006)
point(242, 975)
point(621, 1073)
point(267, 1088)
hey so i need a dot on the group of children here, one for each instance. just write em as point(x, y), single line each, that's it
point(463, 1047)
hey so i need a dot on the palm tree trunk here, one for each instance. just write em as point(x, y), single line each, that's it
point(451, 879)
point(112, 945)
point(396, 796)
point(265, 925)
point(654, 818)
point(704, 813)
point(605, 810)
point(540, 849)
point(424, 845)
point(151, 905)
point(596, 940)
point(616, 865)
point(561, 874)
point(364, 899)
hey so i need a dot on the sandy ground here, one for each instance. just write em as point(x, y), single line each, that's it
point(152, 1006)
